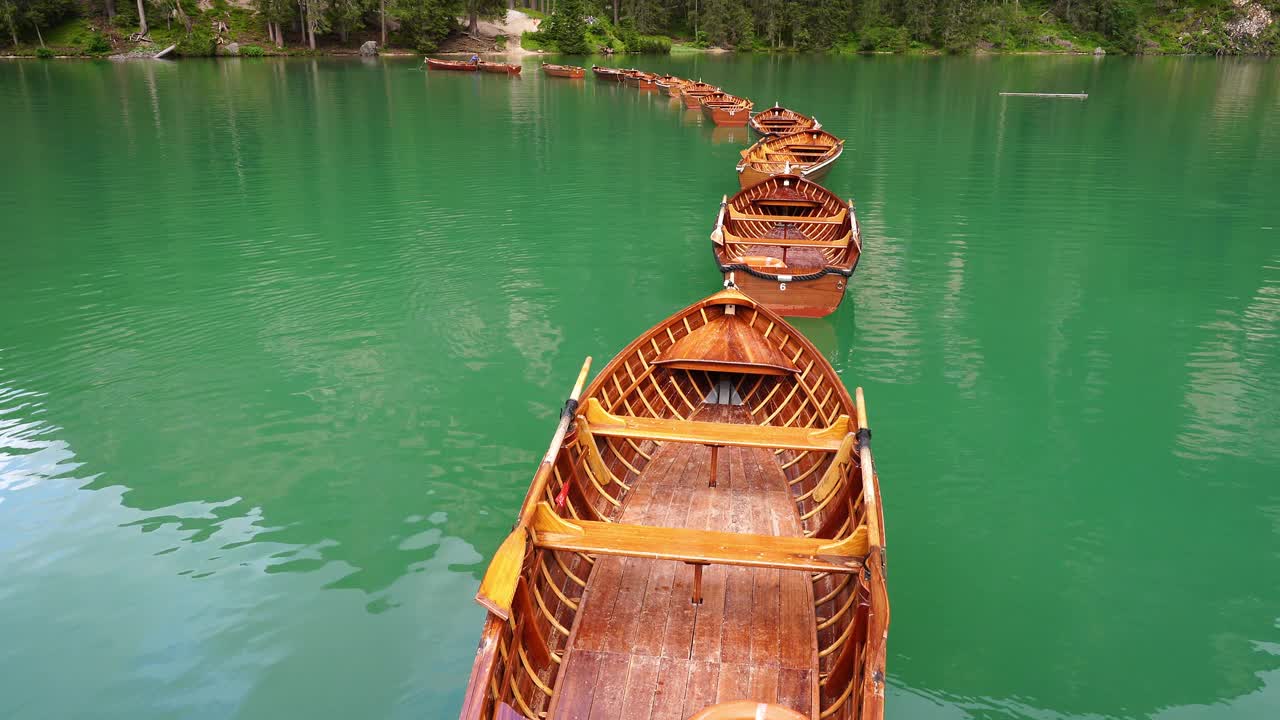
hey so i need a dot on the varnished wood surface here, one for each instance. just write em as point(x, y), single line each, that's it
point(827, 439)
point(641, 649)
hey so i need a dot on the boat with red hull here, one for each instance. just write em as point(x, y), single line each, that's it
point(507, 68)
point(564, 71)
point(790, 244)
point(458, 65)
point(726, 110)
point(693, 92)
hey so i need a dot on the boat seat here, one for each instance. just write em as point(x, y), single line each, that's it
point(838, 219)
point(699, 547)
point(606, 424)
point(731, 238)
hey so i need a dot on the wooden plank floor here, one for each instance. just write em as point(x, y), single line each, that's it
point(641, 649)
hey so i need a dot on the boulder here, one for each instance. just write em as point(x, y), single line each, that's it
point(1099, 51)
point(369, 49)
point(231, 48)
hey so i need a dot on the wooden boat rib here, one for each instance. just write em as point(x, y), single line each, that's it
point(778, 120)
point(605, 73)
point(789, 243)
point(459, 65)
point(809, 154)
point(508, 68)
point(566, 71)
point(693, 93)
point(713, 517)
point(726, 110)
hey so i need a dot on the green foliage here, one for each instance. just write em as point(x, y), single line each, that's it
point(883, 38)
point(346, 16)
point(566, 29)
point(634, 42)
point(97, 44)
point(424, 23)
point(534, 41)
point(252, 51)
point(45, 53)
point(197, 43)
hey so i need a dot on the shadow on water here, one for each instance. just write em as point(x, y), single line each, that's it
point(288, 338)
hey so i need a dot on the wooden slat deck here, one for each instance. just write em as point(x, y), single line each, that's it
point(639, 648)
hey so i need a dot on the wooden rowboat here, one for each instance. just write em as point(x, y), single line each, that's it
point(671, 85)
point(809, 154)
point(435, 64)
point(567, 71)
point(694, 92)
point(508, 68)
point(778, 120)
point(725, 109)
point(604, 73)
point(707, 538)
point(790, 244)
point(640, 79)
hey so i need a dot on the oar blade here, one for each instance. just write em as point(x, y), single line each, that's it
point(499, 584)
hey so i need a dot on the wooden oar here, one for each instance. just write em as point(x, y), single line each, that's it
point(499, 584)
point(869, 499)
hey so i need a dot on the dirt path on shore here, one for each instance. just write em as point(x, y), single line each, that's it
point(513, 25)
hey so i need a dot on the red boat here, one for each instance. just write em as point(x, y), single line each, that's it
point(693, 93)
point(604, 73)
point(491, 67)
point(640, 79)
point(435, 64)
point(726, 109)
point(565, 71)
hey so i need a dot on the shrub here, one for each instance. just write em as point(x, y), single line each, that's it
point(252, 51)
point(44, 53)
point(97, 43)
point(649, 44)
point(533, 40)
point(197, 43)
point(881, 38)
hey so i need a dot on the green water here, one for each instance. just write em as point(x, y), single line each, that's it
point(281, 341)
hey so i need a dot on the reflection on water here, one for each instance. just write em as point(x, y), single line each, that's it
point(284, 340)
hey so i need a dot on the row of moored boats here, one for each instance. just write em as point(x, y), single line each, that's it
point(704, 538)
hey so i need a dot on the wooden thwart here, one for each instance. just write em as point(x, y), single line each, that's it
point(700, 546)
point(605, 424)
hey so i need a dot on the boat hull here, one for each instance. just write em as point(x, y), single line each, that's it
point(564, 72)
point(727, 115)
point(434, 64)
point(501, 68)
point(805, 298)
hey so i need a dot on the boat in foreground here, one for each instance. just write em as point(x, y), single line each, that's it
point(707, 538)
point(604, 73)
point(566, 71)
point(726, 110)
point(790, 244)
point(693, 93)
point(809, 154)
point(508, 68)
point(778, 120)
point(459, 65)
